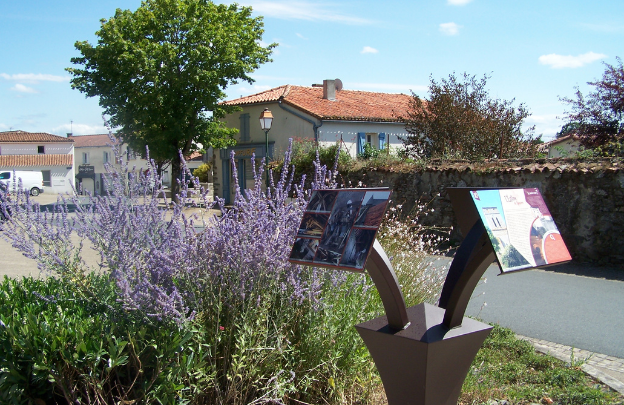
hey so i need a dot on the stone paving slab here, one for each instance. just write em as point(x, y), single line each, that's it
point(608, 369)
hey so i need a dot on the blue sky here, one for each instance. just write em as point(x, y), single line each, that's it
point(535, 51)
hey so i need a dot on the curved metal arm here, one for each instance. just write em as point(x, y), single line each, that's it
point(473, 257)
point(382, 273)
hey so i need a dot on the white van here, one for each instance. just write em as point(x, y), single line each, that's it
point(31, 181)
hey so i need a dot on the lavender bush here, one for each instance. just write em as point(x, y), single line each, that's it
point(260, 329)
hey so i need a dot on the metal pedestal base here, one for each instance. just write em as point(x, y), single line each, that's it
point(425, 363)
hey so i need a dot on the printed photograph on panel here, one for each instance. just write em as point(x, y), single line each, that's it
point(341, 220)
point(322, 201)
point(312, 225)
point(327, 257)
point(373, 208)
point(358, 246)
point(304, 249)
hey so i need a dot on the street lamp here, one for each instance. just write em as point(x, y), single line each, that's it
point(266, 119)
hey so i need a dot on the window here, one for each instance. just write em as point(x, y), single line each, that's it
point(46, 178)
point(370, 139)
point(244, 128)
point(40, 149)
point(106, 157)
point(85, 158)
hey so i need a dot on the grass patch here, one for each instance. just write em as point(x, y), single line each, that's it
point(507, 368)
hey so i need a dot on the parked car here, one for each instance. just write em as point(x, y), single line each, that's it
point(31, 181)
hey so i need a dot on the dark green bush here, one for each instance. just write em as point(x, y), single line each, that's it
point(56, 344)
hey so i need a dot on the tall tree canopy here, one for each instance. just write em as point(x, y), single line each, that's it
point(598, 118)
point(161, 71)
point(460, 119)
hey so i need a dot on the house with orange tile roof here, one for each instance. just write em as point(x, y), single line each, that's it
point(566, 146)
point(52, 155)
point(94, 152)
point(326, 114)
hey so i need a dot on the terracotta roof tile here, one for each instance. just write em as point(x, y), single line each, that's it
point(22, 136)
point(349, 105)
point(86, 141)
point(12, 161)
point(195, 156)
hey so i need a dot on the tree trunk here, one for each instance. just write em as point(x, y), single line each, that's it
point(176, 166)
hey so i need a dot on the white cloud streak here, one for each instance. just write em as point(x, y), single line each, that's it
point(546, 124)
point(369, 49)
point(556, 61)
point(606, 28)
point(20, 88)
point(450, 28)
point(458, 2)
point(304, 10)
point(79, 129)
point(34, 78)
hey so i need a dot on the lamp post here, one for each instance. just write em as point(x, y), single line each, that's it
point(266, 119)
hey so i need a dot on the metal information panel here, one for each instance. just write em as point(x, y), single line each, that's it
point(520, 227)
point(339, 227)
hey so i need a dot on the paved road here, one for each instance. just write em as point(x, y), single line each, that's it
point(556, 306)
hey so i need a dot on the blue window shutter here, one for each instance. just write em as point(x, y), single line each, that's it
point(382, 141)
point(244, 127)
point(361, 140)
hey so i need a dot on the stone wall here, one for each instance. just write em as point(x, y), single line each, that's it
point(585, 198)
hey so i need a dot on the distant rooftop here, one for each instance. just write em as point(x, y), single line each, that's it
point(349, 105)
point(90, 141)
point(23, 136)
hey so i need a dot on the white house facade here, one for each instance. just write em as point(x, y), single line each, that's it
point(324, 113)
point(93, 153)
point(49, 154)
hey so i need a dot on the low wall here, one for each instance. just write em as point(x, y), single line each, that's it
point(585, 198)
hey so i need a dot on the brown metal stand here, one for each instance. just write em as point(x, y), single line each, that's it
point(423, 353)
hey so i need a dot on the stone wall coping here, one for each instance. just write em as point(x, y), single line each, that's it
point(509, 165)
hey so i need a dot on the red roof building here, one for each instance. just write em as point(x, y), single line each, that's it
point(325, 114)
point(52, 155)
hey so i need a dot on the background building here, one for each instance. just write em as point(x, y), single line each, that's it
point(49, 154)
point(324, 113)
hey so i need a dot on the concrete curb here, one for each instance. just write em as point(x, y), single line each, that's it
point(608, 369)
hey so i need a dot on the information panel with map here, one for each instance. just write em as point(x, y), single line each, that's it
point(339, 227)
point(520, 227)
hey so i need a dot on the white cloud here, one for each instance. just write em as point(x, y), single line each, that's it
point(387, 87)
point(79, 129)
point(546, 124)
point(458, 2)
point(34, 78)
point(369, 49)
point(20, 88)
point(241, 91)
point(607, 28)
point(556, 61)
point(305, 10)
point(301, 36)
point(450, 28)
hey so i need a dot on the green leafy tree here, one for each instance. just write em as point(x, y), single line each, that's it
point(598, 118)
point(459, 119)
point(161, 71)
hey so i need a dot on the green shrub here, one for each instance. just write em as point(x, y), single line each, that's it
point(59, 346)
point(304, 154)
point(202, 172)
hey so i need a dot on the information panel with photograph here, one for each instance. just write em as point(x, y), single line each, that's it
point(520, 227)
point(339, 227)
